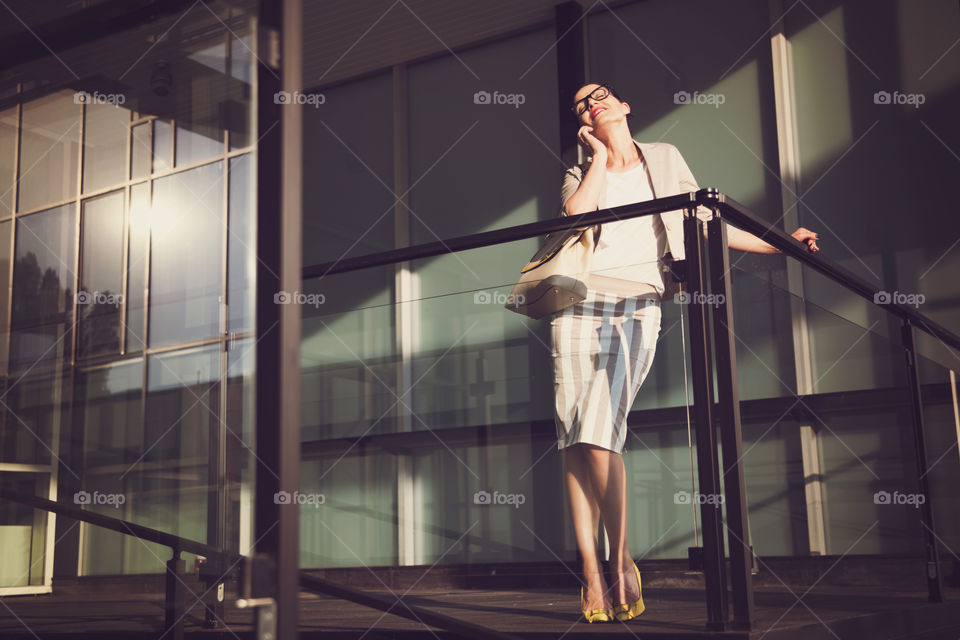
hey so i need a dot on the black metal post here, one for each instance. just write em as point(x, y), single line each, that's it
point(707, 464)
point(934, 579)
point(731, 439)
point(279, 265)
point(174, 604)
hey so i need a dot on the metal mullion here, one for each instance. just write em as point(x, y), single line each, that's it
point(50, 205)
point(125, 240)
point(8, 338)
point(78, 238)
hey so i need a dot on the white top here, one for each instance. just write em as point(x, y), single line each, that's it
point(627, 249)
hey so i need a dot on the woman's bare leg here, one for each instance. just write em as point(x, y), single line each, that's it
point(608, 478)
point(586, 519)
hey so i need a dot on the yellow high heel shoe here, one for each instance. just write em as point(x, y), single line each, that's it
point(595, 615)
point(624, 612)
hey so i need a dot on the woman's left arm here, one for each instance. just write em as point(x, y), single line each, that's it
point(738, 238)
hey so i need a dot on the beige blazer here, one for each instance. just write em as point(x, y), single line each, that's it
point(669, 175)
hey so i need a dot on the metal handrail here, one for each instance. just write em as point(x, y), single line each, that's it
point(729, 209)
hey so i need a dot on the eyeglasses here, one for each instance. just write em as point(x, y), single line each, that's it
point(600, 93)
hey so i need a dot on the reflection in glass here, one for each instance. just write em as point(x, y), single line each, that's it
point(108, 400)
point(31, 419)
point(48, 155)
point(101, 267)
point(43, 288)
point(240, 444)
point(162, 145)
point(181, 424)
point(137, 264)
point(8, 150)
point(104, 146)
point(186, 236)
point(242, 241)
point(239, 113)
point(199, 131)
point(141, 147)
point(23, 531)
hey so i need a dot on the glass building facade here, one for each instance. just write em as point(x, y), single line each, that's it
point(128, 255)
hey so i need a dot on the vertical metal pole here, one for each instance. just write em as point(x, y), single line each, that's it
point(934, 579)
point(571, 73)
point(174, 606)
point(731, 439)
point(279, 269)
point(707, 464)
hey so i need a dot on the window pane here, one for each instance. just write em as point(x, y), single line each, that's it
point(242, 245)
point(239, 114)
point(186, 231)
point(23, 530)
point(181, 413)
point(104, 146)
point(51, 137)
point(101, 294)
point(108, 400)
point(137, 264)
point(199, 132)
point(141, 147)
point(162, 149)
point(8, 150)
point(43, 288)
point(32, 416)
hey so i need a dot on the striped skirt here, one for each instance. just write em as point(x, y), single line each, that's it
point(595, 381)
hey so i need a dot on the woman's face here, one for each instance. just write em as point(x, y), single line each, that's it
point(595, 112)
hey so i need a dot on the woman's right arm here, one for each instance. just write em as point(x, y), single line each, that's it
point(586, 197)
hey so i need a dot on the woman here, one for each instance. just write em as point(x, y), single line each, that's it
point(603, 347)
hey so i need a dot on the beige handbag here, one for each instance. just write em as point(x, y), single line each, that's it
point(556, 276)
